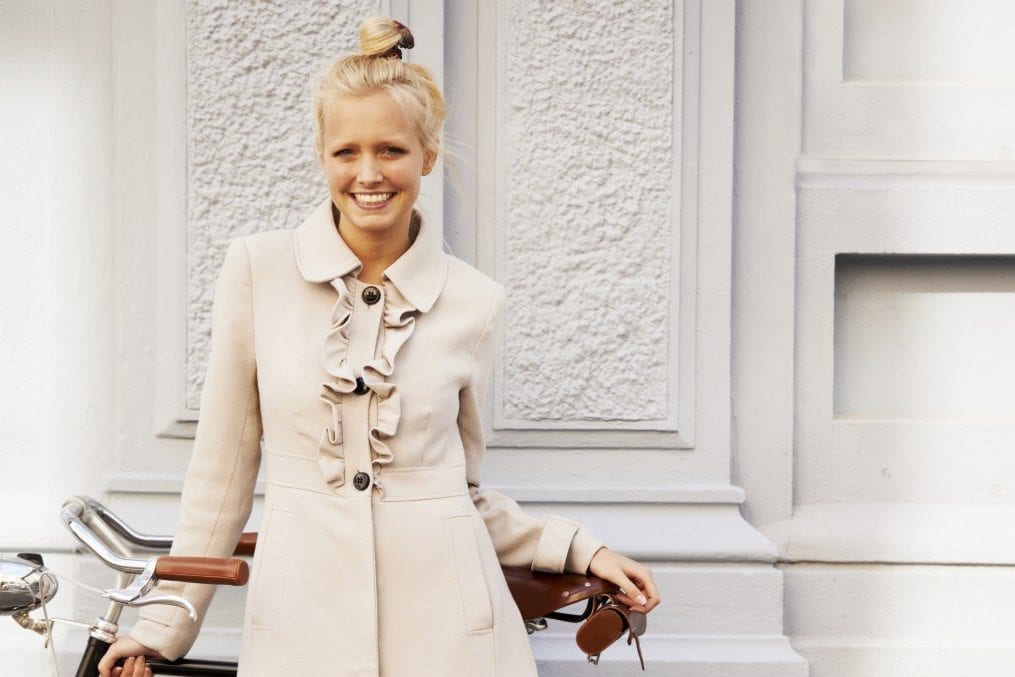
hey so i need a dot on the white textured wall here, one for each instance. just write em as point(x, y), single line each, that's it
point(588, 91)
point(203, 111)
point(57, 346)
point(872, 301)
point(251, 163)
point(56, 279)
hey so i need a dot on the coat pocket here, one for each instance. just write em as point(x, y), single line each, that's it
point(274, 567)
point(468, 569)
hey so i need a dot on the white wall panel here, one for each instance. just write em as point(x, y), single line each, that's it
point(594, 218)
point(908, 80)
point(57, 236)
point(590, 162)
point(896, 350)
point(901, 363)
point(924, 338)
point(931, 621)
point(935, 41)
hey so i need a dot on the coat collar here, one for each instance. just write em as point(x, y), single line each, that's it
point(418, 274)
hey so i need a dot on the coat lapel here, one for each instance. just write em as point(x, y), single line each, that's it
point(418, 274)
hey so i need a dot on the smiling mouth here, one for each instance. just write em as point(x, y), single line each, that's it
point(372, 199)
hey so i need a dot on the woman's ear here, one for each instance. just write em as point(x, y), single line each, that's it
point(429, 161)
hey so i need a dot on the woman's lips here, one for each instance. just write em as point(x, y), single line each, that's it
point(372, 200)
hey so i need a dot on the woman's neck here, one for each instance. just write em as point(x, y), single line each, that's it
point(375, 250)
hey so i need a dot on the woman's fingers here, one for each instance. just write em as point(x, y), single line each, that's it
point(627, 601)
point(638, 588)
point(126, 647)
point(643, 577)
point(634, 597)
point(134, 666)
point(653, 593)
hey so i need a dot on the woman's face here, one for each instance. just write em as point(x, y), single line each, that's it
point(373, 160)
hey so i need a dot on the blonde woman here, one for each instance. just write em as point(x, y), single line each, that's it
point(360, 351)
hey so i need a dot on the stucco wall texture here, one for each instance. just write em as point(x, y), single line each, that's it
point(586, 206)
point(250, 152)
point(588, 143)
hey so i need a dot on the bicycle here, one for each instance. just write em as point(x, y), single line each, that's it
point(26, 585)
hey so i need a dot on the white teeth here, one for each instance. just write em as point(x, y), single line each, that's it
point(372, 199)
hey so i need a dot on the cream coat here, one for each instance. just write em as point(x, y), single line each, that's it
point(400, 577)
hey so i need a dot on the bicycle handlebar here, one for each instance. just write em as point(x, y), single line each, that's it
point(121, 527)
point(76, 512)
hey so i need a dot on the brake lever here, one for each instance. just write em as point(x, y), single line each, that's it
point(139, 587)
point(172, 600)
point(136, 594)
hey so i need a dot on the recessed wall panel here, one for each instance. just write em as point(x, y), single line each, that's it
point(925, 338)
point(966, 41)
point(905, 292)
point(909, 80)
point(589, 163)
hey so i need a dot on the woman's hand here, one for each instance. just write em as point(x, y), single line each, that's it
point(135, 652)
point(638, 589)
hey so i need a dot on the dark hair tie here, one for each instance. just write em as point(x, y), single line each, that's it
point(405, 42)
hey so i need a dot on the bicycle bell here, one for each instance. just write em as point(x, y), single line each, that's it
point(25, 583)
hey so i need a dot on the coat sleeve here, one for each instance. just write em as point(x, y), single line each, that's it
point(218, 490)
point(548, 543)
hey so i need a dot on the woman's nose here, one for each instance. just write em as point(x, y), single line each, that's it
point(368, 172)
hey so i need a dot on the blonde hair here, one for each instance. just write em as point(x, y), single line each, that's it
point(379, 68)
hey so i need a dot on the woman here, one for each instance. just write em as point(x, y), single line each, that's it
point(361, 352)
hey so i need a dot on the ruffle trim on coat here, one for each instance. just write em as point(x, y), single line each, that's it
point(399, 321)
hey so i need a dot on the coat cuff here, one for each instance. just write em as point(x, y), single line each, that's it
point(163, 637)
point(583, 546)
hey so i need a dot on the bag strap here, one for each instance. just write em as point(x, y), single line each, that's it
point(637, 644)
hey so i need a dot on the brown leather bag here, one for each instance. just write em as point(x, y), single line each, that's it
point(604, 621)
point(606, 625)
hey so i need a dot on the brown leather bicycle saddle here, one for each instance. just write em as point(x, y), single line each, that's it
point(537, 593)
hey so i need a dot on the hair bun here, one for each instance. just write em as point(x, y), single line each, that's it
point(381, 37)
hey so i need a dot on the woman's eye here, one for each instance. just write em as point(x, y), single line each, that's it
point(392, 150)
point(343, 152)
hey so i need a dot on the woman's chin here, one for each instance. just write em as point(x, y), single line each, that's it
point(376, 224)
